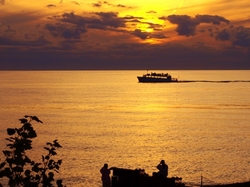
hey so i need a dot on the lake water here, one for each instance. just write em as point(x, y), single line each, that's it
point(200, 126)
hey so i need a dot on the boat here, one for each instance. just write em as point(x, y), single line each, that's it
point(156, 77)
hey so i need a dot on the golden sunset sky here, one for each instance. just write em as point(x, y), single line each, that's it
point(179, 34)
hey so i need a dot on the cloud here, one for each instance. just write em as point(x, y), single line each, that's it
point(7, 31)
point(131, 18)
point(216, 20)
point(111, 19)
point(51, 6)
point(140, 34)
point(223, 35)
point(242, 37)
point(73, 19)
point(187, 24)
point(158, 35)
point(239, 36)
point(76, 3)
point(72, 26)
point(10, 37)
point(73, 2)
point(100, 4)
point(103, 20)
point(154, 26)
point(122, 6)
point(151, 12)
point(65, 32)
point(106, 3)
point(146, 35)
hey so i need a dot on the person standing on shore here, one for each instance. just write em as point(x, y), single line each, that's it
point(105, 171)
point(163, 169)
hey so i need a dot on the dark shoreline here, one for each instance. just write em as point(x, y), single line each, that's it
point(238, 184)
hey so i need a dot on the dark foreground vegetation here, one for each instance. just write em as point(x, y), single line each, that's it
point(18, 168)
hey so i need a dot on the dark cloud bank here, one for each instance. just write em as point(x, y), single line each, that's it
point(187, 25)
point(32, 51)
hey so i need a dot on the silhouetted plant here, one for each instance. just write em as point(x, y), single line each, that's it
point(19, 168)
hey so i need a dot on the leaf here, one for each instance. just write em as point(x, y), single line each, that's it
point(51, 162)
point(10, 139)
point(27, 159)
point(36, 119)
point(27, 126)
point(29, 141)
point(7, 172)
point(23, 120)
point(27, 173)
point(2, 165)
point(37, 177)
point(53, 152)
point(59, 183)
point(1, 176)
point(32, 134)
point(57, 167)
point(56, 144)
point(18, 131)
point(24, 135)
point(51, 174)
point(11, 131)
point(7, 153)
point(35, 168)
point(18, 169)
point(10, 145)
point(27, 146)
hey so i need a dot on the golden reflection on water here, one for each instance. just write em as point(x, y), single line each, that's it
point(107, 116)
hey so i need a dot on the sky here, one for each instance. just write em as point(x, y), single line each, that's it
point(125, 34)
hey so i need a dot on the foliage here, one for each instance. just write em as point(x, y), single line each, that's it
point(20, 170)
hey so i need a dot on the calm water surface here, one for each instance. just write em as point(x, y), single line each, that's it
point(199, 126)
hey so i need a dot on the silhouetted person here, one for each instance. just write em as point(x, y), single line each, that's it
point(163, 169)
point(105, 171)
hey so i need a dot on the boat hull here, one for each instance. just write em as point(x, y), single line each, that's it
point(155, 79)
point(137, 178)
